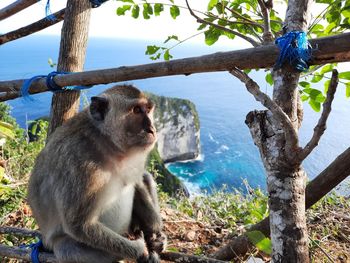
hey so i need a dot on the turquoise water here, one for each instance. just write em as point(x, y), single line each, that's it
point(228, 153)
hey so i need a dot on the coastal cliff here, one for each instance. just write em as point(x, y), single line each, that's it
point(178, 129)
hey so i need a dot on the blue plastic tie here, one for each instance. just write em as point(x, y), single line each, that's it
point(36, 248)
point(50, 83)
point(48, 12)
point(26, 85)
point(97, 3)
point(295, 48)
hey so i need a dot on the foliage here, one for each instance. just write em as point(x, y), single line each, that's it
point(245, 19)
point(225, 209)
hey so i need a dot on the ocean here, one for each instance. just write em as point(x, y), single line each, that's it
point(228, 155)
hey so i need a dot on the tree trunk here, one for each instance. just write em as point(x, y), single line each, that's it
point(286, 178)
point(74, 38)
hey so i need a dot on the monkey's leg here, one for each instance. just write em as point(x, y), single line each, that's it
point(67, 250)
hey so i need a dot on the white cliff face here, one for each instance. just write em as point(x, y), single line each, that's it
point(178, 129)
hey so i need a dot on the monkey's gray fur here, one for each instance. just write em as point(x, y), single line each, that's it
point(89, 189)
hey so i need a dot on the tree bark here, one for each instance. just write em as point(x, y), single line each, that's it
point(15, 8)
point(286, 179)
point(71, 58)
point(325, 182)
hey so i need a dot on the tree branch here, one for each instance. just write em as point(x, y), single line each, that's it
point(329, 178)
point(330, 49)
point(24, 254)
point(267, 36)
point(278, 113)
point(32, 28)
point(200, 20)
point(321, 125)
point(15, 7)
point(19, 231)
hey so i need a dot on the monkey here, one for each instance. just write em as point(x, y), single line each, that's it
point(88, 188)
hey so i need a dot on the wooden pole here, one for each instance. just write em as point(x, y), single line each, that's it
point(15, 7)
point(71, 58)
point(330, 49)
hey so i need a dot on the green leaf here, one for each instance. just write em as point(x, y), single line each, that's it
point(121, 10)
point(158, 8)
point(260, 241)
point(152, 50)
point(212, 4)
point(167, 55)
point(344, 75)
point(145, 13)
point(174, 11)
point(305, 84)
point(316, 106)
point(347, 90)
point(247, 71)
point(346, 12)
point(269, 78)
point(315, 94)
point(317, 77)
point(211, 36)
point(326, 69)
point(171, 37)
point(135, 12)
point(304, 97)
point(6, 130)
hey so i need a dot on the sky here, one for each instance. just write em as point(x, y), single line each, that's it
point(105, 23)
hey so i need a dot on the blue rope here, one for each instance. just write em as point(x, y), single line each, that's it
point(26, 85)
point(49, 15)
point(36, 248)
point(97, 3)
point(50, 83)
point(295, 48)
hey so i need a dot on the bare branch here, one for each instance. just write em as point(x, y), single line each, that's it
point(278, 113)
point(32, 28)
point(321, 125)
point(200, 20)
point(15, 7)
point(19, 231)
point(267, 36)
point(23, 253)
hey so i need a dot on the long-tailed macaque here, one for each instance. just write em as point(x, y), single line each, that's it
point(89, 189)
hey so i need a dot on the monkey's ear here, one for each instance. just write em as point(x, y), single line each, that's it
point(98, 108)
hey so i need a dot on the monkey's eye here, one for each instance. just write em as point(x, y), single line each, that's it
point(137, 110)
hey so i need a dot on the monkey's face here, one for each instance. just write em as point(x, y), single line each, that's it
point(138, 124)
point(128, 122)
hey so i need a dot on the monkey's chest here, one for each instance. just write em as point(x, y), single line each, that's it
point(117, 213)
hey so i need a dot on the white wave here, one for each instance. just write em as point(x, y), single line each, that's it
point(211, 138)
point(222, 148)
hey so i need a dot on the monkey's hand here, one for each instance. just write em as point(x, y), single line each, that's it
point(140, 247)
point(156, 242)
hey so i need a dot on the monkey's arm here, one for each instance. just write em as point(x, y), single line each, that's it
point(81, 223)
point(145, 208)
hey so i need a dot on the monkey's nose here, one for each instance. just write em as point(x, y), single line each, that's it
point(151, 129)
